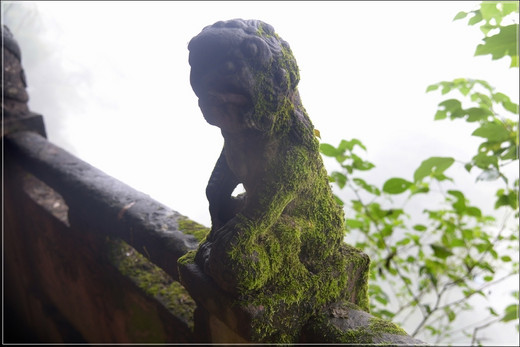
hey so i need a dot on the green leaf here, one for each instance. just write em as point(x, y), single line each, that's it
point(440, 115)
point(505, 258)
point(509, 7)
point(329, 150)
point(452, 108)
point(354, 224)
point(458, 194)
point(510, 154)
point(344, 144)
point(460, 15)
point(510, 199)
point(387, 313)
point(433, 165)
point(432, 87)
point(419, 227)
point(477, 113)
point(502, 44)
point(474, 211)
point(484, 161)
point(441, 251)
point(493, 312)
point(361, 164)
point(368, 187)
point(500, 97)
point(477, 17)
point(451, 315)
point(403, 242)
point(488, 278)
point(470, 292)
point(486, 28)
point(387, 231)
point(510, 313)
point(396, 185)
point(381, 299)
point(489, 11)
point(510, 106)
point(492, 132)
point(421, 187)
point(460, 204)
point(457, 243)
point(467, 234)
point(339, 178)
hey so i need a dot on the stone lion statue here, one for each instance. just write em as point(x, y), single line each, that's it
point(279, 245)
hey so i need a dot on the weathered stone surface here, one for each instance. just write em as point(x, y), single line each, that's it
point(150, 227)
point(218, 306)
point(346, 323)
point(14, 101)
point(60, 285)
point(16, 114)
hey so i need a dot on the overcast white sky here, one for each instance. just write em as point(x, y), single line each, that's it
point(112, 81)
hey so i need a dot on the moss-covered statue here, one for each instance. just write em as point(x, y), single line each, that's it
point(279, 245)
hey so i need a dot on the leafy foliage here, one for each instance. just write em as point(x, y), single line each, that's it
point(432, 265)
point(505, 41)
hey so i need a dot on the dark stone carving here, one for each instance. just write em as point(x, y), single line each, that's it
point(280, 245)
point(15, 111)
point(15, 98)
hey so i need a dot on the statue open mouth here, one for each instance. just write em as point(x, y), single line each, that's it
point(225, 109)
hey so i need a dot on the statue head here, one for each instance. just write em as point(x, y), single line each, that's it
point(243, 74)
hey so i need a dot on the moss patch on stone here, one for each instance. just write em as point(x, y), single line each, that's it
point(152, 280)
point(188, 258)
point(347, 323)
point(380, 326)
point(190, 227)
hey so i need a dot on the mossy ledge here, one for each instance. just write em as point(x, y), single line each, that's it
point(187, 226)
point(344, 322)
point(152, 280)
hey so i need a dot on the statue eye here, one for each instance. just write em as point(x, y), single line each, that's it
point(229, 66)
point(250, 49)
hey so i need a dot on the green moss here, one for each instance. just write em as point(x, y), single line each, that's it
point(380, 326)
point(152, 280)
point(190, 227)
point(188, 258)
point(262, 33)
point(327, 325)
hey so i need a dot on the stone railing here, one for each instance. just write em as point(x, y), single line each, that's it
point(90, 259)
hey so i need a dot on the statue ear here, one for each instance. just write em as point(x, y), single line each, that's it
point(289, 63)
point(287, 77)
